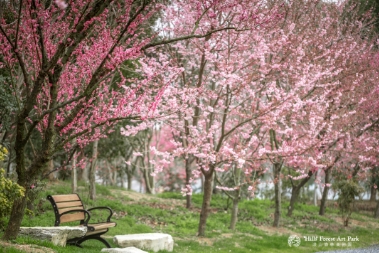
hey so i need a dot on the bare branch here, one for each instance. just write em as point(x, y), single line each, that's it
point(164, 42)
point(18, 23)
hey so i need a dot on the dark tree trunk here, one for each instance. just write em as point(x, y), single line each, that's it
point(25, 177)
point(188, 178)
point(373, 194)
point(234, 215)
point(17, 214)
point(376, 211)
point(208, 183)
point(296, 191)
point(325, 192)
point(294, 195)
point(149, 181)
point(19, 205)
point(346, 222)
point(129, 175)
point(277, 191)
point(92, 172)
point(9, 163)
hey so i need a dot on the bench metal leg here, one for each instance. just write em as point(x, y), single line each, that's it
point(74, 243)
point(95, 237)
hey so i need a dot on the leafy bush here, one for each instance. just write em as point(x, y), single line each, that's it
point(347, 191)
point(9, 191)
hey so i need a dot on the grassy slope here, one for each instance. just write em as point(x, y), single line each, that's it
point(137, 213)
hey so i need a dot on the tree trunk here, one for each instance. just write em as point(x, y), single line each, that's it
point(325, 192)
point(373, 194)
point(277, 191)
point(85, 174)
point(19, 205)
point(208, 179)
point(346, 222)
point(9, 163)
point(294, 196)
point(234, 215)
point(115, 176)
point(188, 178)
point(92, 172)
point(74, 183)
point(315, 194)
point(17, 214)
point(149, 181)
point(296, 191)
point(376, 212)
point(129, 175)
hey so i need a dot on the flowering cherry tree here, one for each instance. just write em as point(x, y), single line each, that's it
point(209, 107)
point(64, 63)
point(267, 94)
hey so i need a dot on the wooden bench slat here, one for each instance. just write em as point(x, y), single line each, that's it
point(96, 232)
point(69, 209)
point(65, 197)
point(69, 204)
point(100, 226)
point(72, 217)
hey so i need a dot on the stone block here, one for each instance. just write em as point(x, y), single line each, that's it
point(123, 250)
point(57, 235)
point(149, 241)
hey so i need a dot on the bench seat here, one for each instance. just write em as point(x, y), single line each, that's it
point(70, 208)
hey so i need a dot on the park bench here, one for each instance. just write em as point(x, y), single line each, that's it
point(70, 208)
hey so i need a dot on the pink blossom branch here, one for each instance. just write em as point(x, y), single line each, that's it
point(187, 37)
point(19, 58)
point(93, 83)
point(18, 23)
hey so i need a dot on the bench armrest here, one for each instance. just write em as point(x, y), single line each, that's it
point(78, 210)
point(105, 208)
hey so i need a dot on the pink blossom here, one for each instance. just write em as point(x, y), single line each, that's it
point(61, 4)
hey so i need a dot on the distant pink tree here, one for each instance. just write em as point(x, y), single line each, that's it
point(270, 93)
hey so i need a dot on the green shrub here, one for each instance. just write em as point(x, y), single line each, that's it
point(347, 191)
point(9, 191)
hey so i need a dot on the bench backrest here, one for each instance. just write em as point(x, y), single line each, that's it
point(64, 203)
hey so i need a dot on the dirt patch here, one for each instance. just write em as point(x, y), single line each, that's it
point(134, 196)
point(270, 230)
point(27, 248)
point(210, 241)
point(206, 241)
point(355, 223)
point(137, 197)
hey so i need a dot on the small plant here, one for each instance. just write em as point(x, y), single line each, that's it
point(347, 191)
point(35, 198)
point(9, 191)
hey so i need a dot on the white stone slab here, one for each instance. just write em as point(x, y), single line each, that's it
point(123, 250)
point(149, 241)
point(57, 235)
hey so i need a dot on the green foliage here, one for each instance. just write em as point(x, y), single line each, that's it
point(10, 250)
point(7, 100)
point(9, 191)
point(347, 191)
point(218, 200)
point(3, 153)
point(254, 210)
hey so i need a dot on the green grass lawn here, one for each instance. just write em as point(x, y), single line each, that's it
point(138, 213)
